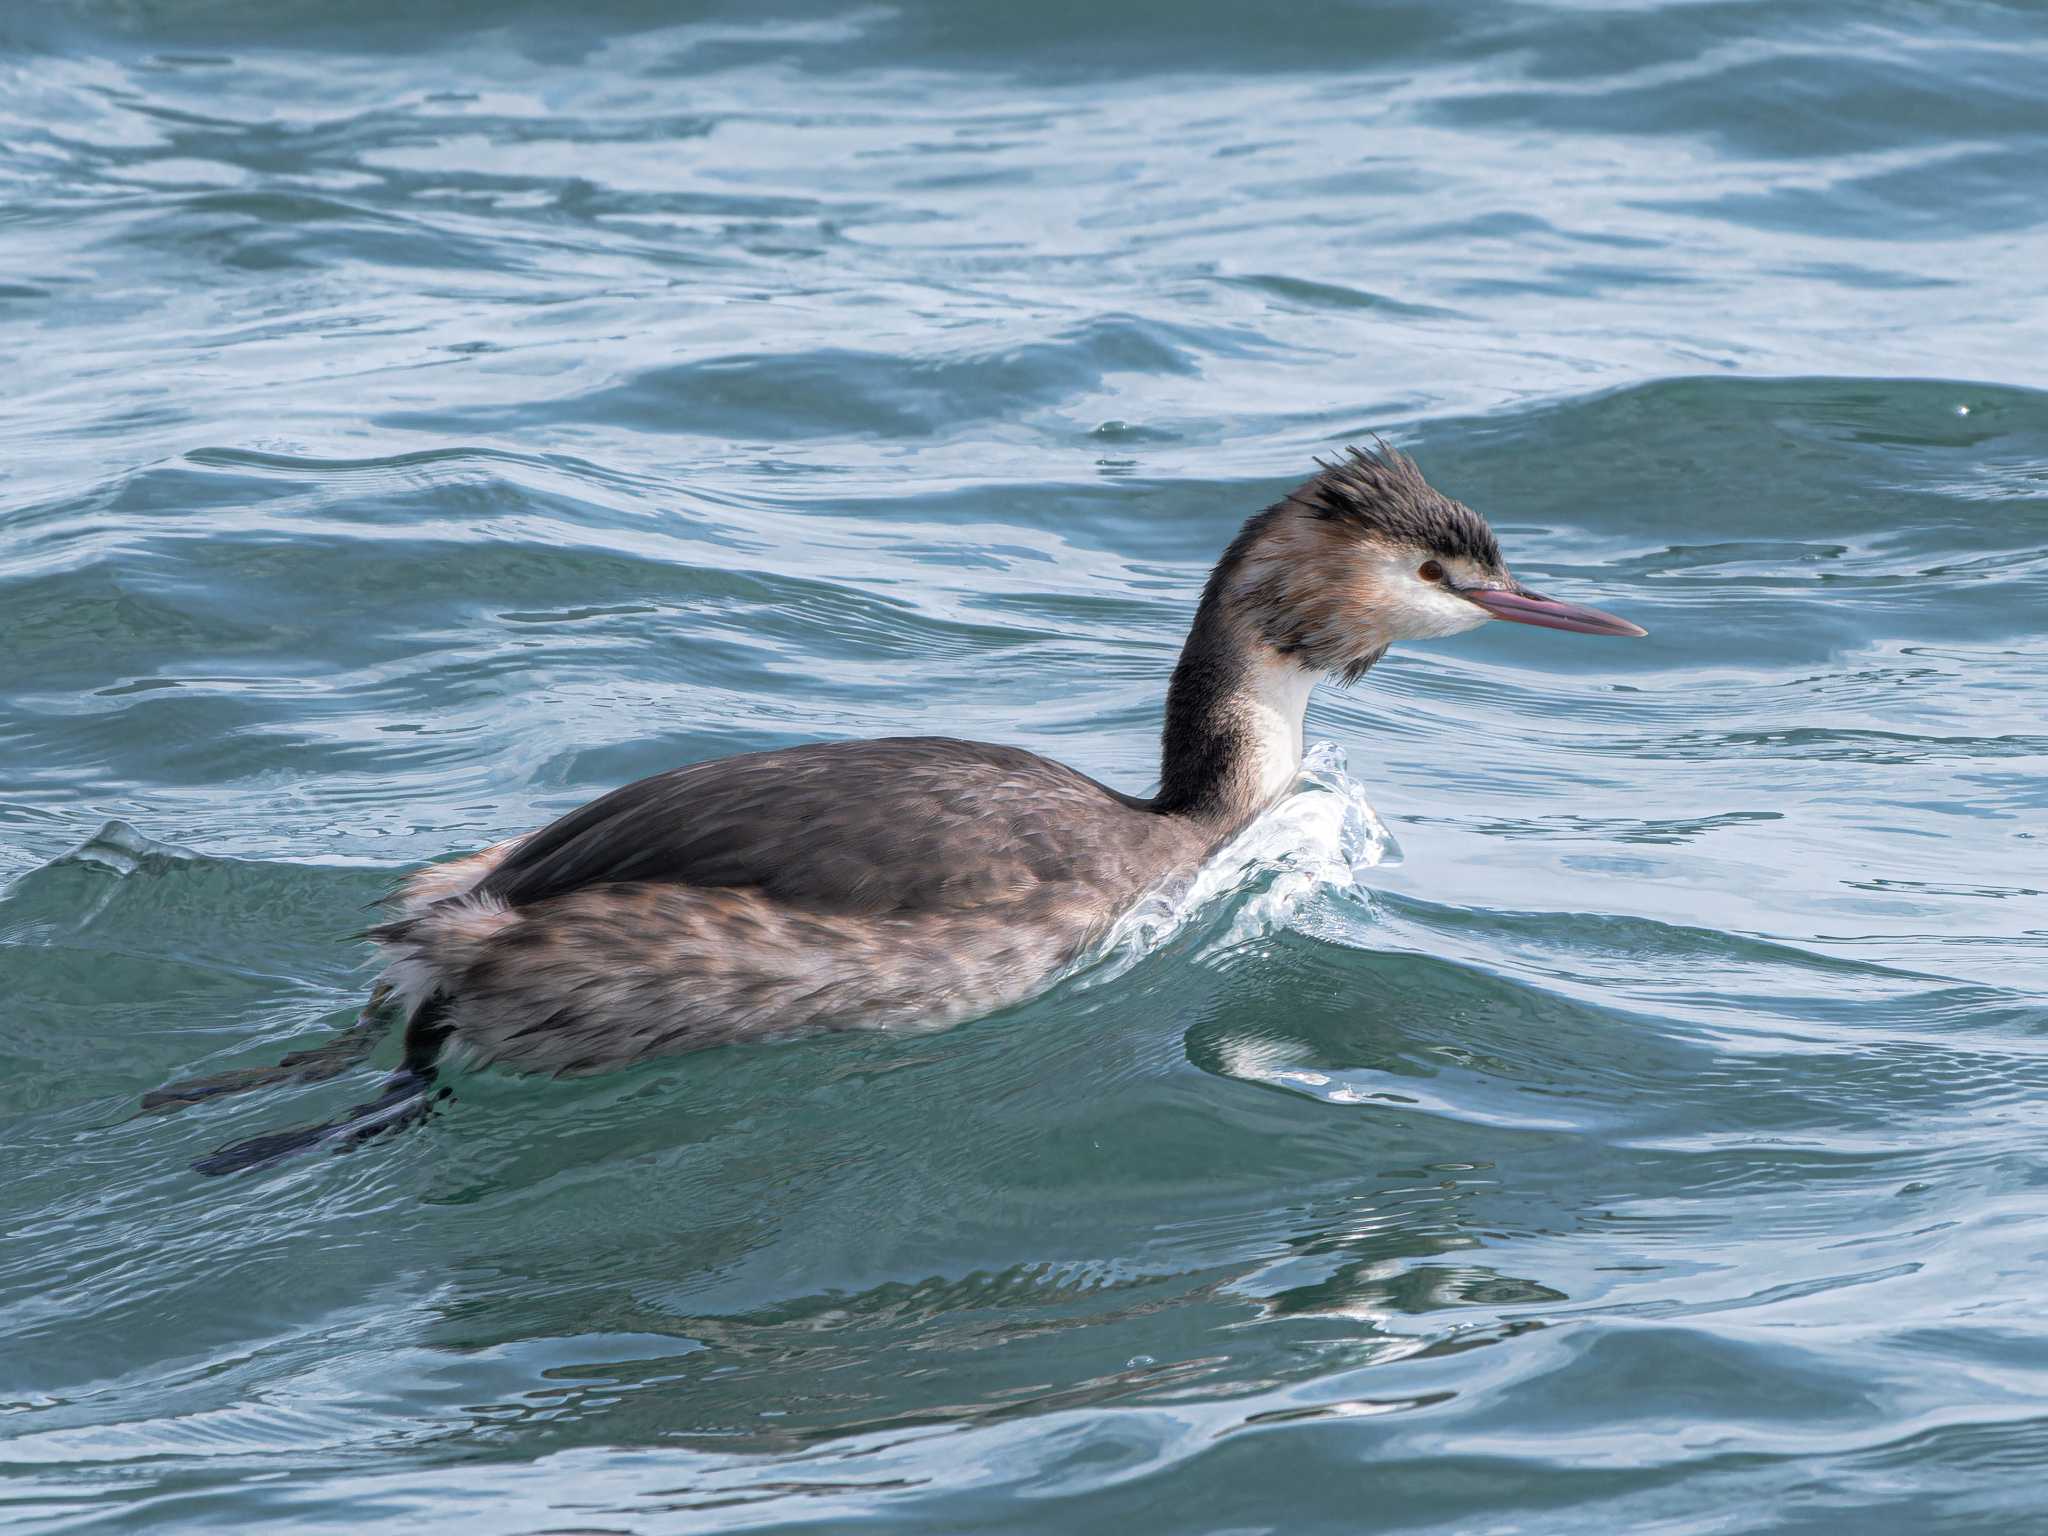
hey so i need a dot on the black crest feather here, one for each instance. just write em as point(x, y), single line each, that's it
point(1383, 492)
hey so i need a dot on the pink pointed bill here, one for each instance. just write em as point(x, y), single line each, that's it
point(1548, 613)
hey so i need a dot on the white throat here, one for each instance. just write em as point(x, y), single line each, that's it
point(1271, 710)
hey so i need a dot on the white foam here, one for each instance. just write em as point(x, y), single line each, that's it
point(1313, 846)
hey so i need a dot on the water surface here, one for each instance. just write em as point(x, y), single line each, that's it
point(421, 422)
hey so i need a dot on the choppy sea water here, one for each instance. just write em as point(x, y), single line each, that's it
point(421, 418)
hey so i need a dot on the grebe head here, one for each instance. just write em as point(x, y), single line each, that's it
point(1319, 585)
point(1369, 553)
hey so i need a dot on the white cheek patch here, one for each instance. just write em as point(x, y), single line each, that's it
point(1422, 610)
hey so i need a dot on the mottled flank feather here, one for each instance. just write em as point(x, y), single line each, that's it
point(619, 972)
point(882, 884)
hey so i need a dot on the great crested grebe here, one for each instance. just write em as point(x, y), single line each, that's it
point(906, 882)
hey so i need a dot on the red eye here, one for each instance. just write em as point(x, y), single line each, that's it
point(1430, 571)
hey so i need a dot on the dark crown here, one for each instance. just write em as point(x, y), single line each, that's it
point(1383, 493)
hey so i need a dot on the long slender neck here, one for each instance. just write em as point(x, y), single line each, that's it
point(1233, 720)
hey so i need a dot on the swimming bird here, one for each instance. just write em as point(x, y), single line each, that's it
point(907, 882)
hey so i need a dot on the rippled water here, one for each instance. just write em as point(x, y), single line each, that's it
point(420, 421)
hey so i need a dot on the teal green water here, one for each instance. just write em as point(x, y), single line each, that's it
point(419, 422)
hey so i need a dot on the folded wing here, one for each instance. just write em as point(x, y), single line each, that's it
point(898, 825)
